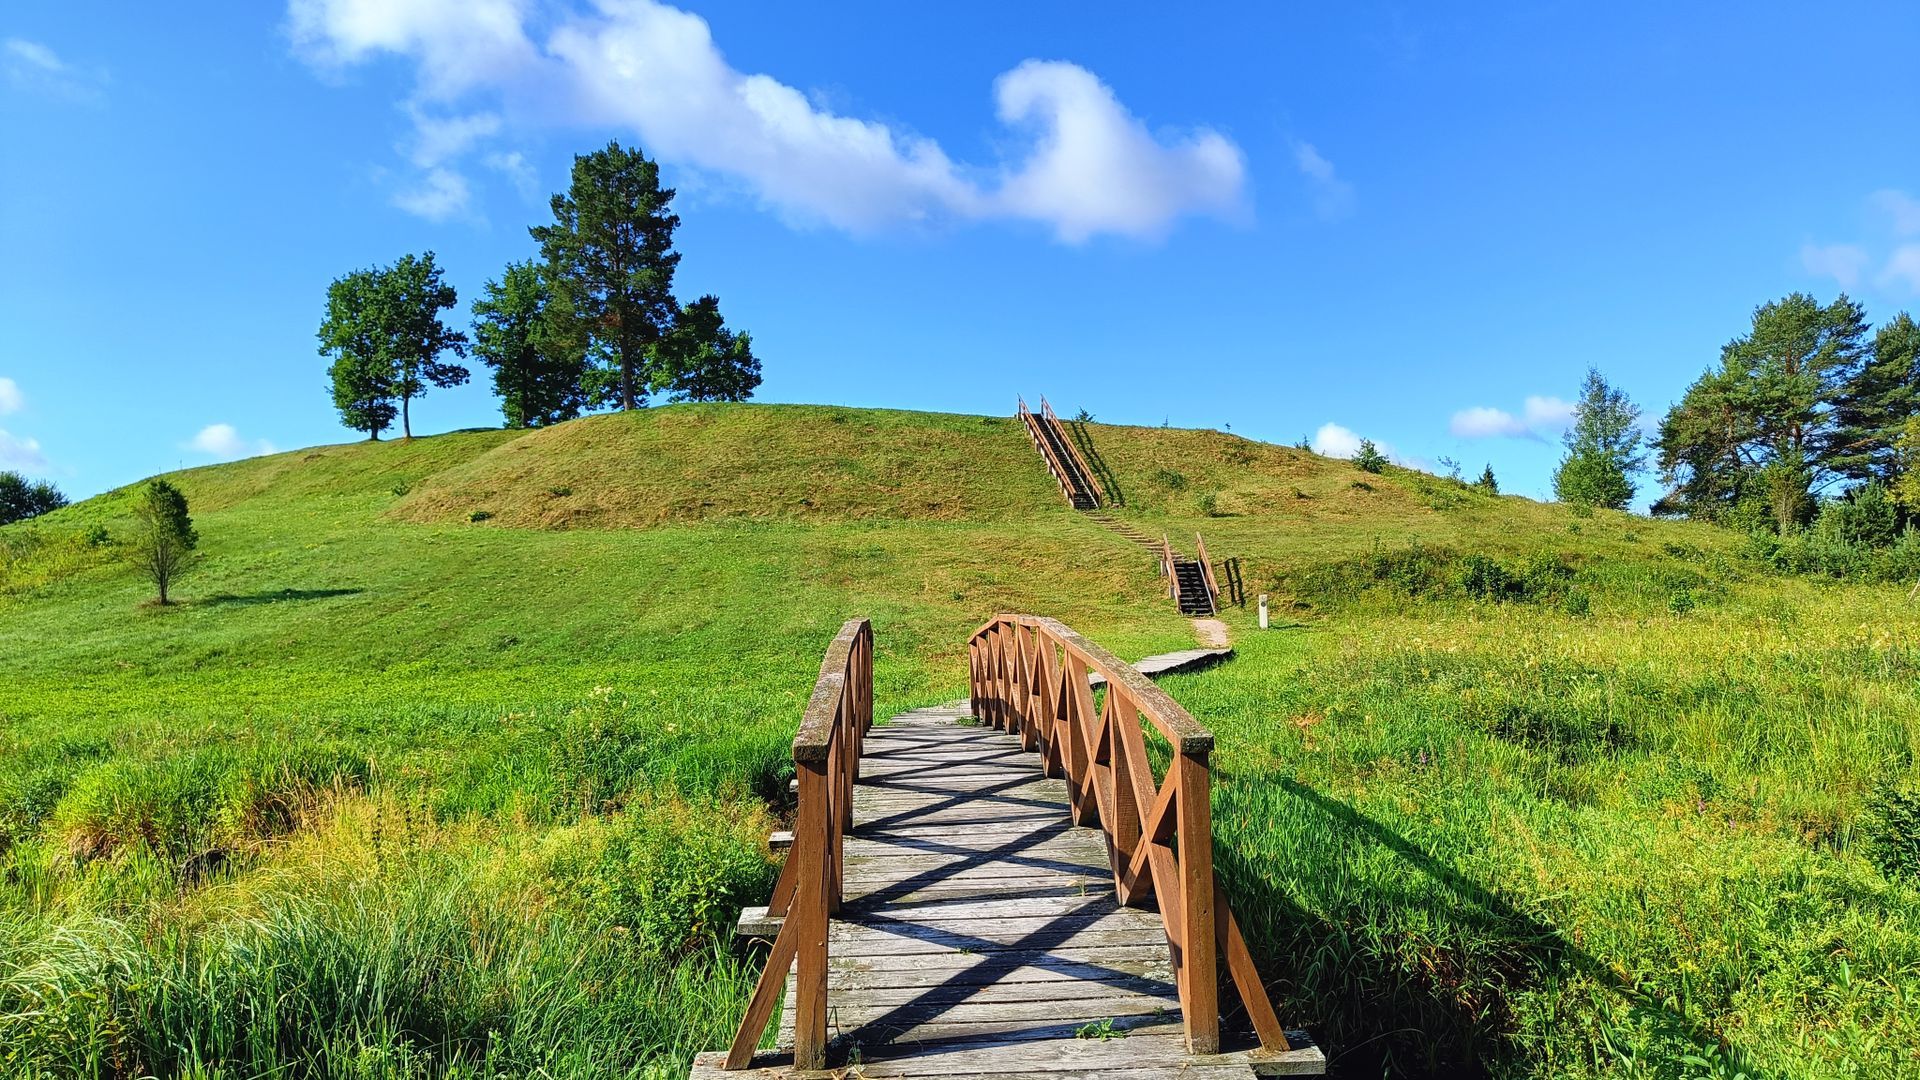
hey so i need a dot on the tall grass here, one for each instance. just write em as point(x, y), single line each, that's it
point(1485, 838)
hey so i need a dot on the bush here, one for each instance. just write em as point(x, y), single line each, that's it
point(1576, 604)
point(1169, 479)
point(1209, 504)
point(1891, 830)
point(480, 515)
point(1369, 458)
point(674, 873)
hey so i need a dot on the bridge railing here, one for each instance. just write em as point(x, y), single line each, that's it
point(826, 763)
point(1029, 676)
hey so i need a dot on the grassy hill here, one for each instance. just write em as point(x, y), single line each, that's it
point(459, 751)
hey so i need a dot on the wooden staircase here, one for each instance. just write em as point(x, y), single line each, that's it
point(1063, 459)
point(1190, 581)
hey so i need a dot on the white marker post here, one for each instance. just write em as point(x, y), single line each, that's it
point(1263, 611)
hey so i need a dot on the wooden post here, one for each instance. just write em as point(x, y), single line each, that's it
point(1201, 982)
point(808, 917)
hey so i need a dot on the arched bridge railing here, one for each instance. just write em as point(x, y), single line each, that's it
point(1029, 677)
point(826, 763)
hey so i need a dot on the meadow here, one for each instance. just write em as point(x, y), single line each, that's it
point(459, 755)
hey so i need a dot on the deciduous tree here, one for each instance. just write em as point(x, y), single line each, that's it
point(362, 373)
point(701, 360)
point(411, 295)
point(610, 259)
point(21, 499)
point(539, 364)
point(163, 536)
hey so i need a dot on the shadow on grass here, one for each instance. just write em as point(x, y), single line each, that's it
point(1378, 1019)
point(276, 597)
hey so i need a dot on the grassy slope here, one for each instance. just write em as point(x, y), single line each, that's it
point(642, 612)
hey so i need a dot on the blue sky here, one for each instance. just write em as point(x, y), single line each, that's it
point(1420, 226)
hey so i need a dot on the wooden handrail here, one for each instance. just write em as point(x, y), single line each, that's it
point(1093, 479)
point(1206, 571)
point(1166, 560)
point(826, 762)
point(1054, 464)
point(1029, 676)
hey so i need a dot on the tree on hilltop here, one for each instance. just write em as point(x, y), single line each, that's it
point(1872, 410)
point(1486, 482)
point(21, 499)
point(383, 331)
point(610, 259)
point(1369, 458)
point(163, 537)
point(1603, 448)
point(362, 373)
point(699, 359)
point(1763, 427)
point(412, 295)
point(539, 365)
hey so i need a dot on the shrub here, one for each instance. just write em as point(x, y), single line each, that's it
point(480, 515)
point(560, 492)
point(674, 873)
point(1484, 579)
point(1680, 601)
point(1209, 504)
point(1369, 458)
point(1891, 830)
point(1576, 604)
point(1170, 479)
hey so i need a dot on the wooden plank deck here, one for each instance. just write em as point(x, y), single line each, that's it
point(980, 936)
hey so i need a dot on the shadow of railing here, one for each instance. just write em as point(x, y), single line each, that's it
point(1084, 440)
point(1375, 1015)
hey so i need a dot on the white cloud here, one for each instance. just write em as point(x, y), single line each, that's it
point(1090, 167)
point(1537, 414)
point(1901, 209)
point(1095, 169)
point(459, 44)
point(1335, 441)
point(1548, 412)
point(34, 67)
point(1486, 422)
point(1843, 263)
point(1903, 266)
point(223, 441)
point(1333, 197)
point(515, 167)
point(437, 138)
point(20, 452)
point(11, 399)
point(439, 195)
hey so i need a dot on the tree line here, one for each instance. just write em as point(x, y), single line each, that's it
point(592, 322)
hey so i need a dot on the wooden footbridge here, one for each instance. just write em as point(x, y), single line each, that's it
point(1006, 887)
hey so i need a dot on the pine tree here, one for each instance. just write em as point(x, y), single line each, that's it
point(1369, 458)
point(1603, 448)
point(610, 260)
point(1486, 482)
point(1764, 426)
point(1871, 409)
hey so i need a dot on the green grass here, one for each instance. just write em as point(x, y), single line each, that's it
point(397, 792)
